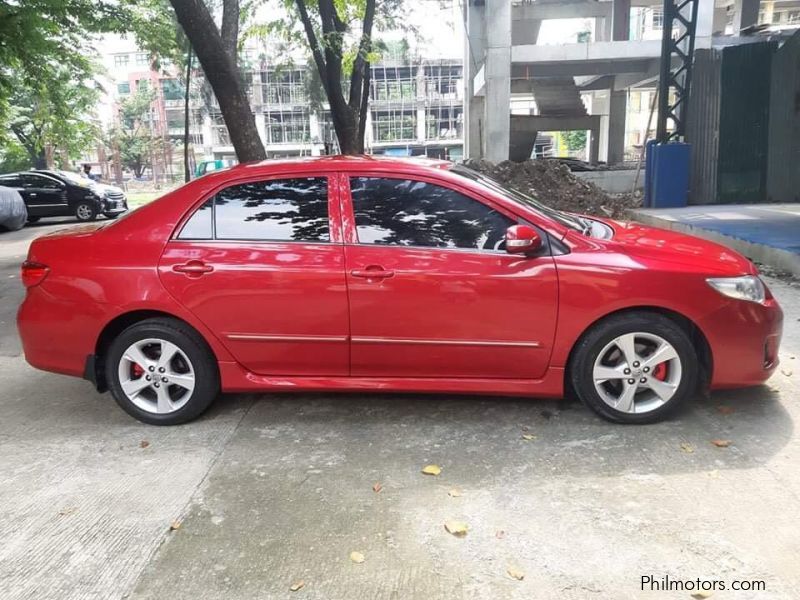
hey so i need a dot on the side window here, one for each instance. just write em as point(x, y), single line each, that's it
point(404, 212)
point(9, 181)
point(275, 210)
point(37, 181)
point(199, 226)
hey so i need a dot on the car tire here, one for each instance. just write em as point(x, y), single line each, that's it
point(85, 211)
point(636, 367)
point(171, 391)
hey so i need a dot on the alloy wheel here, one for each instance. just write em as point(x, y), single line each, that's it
point(637, 372)
point(84, 212)
point(156, 376)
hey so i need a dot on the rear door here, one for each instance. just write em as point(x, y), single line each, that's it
point(261, 263)
point(44, 196)
point(433, 292)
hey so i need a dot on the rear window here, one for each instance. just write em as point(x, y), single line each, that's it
point(292, 210)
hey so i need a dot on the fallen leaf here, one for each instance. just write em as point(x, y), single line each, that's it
point(357, 557)
point(431, 469)
point(377, 488)
point(787, 373)
point(175, 525)
point(297, 585)
point(528, 437)
point(516, 573)
point(144, 444)
point(687, 448)
point(726, 410)
point(721, 443)
point(454, 493)
point(67, 511)
point(457, 528)
point(702, 594)
point(499, 534)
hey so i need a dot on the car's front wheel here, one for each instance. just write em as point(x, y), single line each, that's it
point(85, 211)
point(635, 367)
point(161, 372)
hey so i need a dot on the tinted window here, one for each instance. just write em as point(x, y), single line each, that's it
point(279, 209)
point(199, 226)
point(9, 181)
point(415, 213)
point(38, 181)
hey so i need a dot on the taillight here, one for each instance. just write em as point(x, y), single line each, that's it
point(33, 273)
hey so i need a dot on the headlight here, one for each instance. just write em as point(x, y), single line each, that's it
point(746, 287)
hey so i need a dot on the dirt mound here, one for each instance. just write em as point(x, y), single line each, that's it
point(553, 184)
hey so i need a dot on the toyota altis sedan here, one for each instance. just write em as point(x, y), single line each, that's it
point(357, 273)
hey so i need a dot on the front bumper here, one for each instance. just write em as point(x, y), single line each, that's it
point(744, 338)
point(114, 207)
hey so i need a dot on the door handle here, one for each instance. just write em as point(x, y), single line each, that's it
point(193, 267)
point(372, 272)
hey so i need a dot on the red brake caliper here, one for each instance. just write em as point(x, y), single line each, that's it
point(660, 372)
point(138, 371)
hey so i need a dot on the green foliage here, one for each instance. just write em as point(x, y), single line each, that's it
point(50, 113)
point(13, 157)
point(576, 140)
point(133, 137)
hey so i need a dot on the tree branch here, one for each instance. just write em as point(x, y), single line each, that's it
point(312, 42)
point(364, 48)
point(230, 27)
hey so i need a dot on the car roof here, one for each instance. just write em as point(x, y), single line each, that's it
point(341, 163)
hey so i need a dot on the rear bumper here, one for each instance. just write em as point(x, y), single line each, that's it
point(744, 338)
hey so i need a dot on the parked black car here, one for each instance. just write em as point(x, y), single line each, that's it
point(61, 194)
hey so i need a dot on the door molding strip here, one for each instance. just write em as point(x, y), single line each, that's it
point(259, 337)
point(415, 341)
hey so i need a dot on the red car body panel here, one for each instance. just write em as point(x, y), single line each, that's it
point(343, 315)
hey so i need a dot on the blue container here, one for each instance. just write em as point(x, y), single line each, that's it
point(667, 175)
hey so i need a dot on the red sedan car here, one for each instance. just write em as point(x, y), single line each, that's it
point(357, 273)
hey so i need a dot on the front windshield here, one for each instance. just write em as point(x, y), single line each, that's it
point(571, 221)
point(74, 178)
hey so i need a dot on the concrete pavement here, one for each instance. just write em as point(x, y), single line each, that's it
point(272, 489)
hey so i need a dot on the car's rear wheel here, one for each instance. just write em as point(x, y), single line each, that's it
point(161, 372)
point(85, 211)
point(635, 367)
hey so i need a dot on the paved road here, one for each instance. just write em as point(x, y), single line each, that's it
point(273, 489)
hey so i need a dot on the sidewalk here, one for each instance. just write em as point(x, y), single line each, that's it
point(765, 233)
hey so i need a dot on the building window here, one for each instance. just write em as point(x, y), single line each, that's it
point(142, 59)
point(124, 88)
point(394, 125)
point(288, 127)
point(284, 87)
point(121, 60)
point(658, 19)
point(172, 89)
point(393, 84)
point(444, 123)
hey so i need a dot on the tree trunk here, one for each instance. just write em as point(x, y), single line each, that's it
point(187, 172)
point(223, 76)
point(230, 27)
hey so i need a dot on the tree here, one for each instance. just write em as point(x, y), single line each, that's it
point(133, 136)
point(339, 36)
point(576, 140)
point(216, 51)
point(51, 115)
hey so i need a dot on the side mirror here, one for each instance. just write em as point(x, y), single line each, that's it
point(521, 239)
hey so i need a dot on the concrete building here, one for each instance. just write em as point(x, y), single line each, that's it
point(416, 106)
point(601, 80)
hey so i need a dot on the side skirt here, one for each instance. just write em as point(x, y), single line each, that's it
point(236, 379)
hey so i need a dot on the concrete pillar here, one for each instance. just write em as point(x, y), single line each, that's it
point(617, 111)
point(497, 108)
point(745, 14)
point(261, 127)
point(594, 145)
point(602, 29)
point(620, 20)
point(208, 138)
point(314, 133)
point(474, 48)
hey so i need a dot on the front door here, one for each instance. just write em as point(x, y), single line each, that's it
point(44, 196)
point(259, 264)
point(433, 292)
